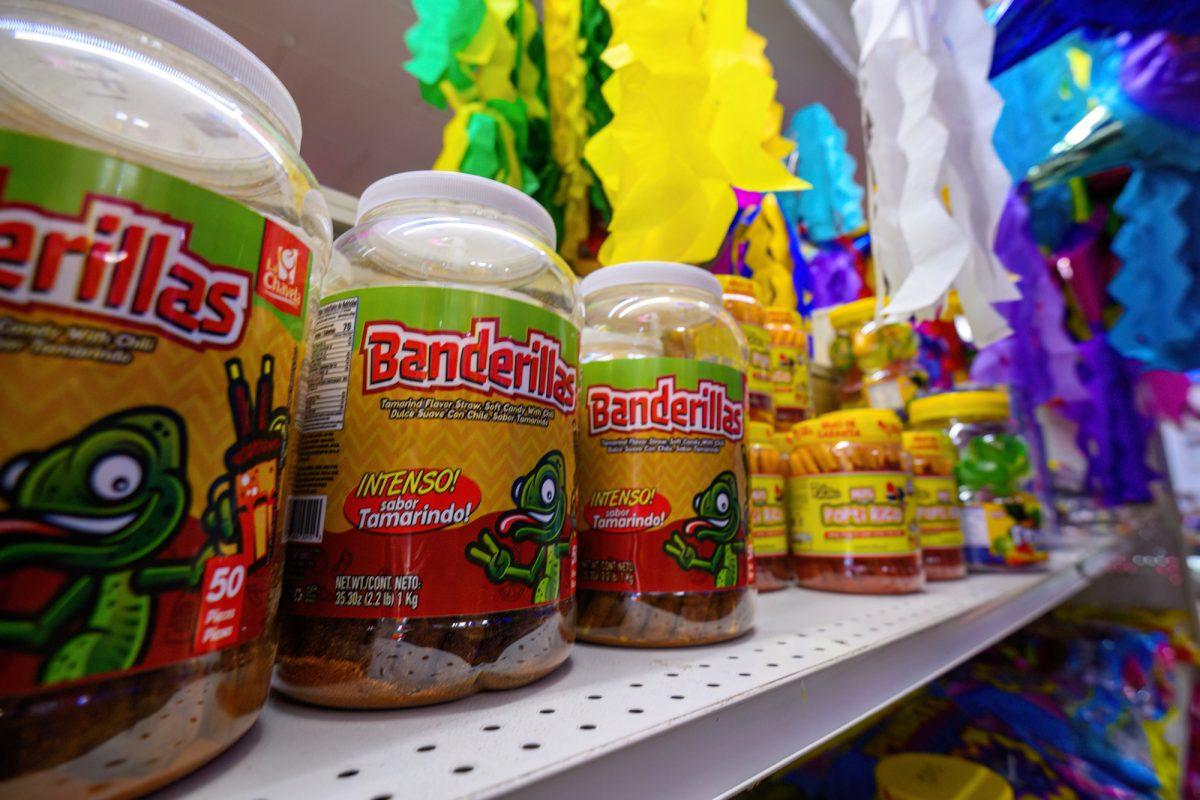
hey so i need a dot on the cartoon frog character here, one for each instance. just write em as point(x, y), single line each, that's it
point(718, 517)
point(540, 497)
point(97, 507)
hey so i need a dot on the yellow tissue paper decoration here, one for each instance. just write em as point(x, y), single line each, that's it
point(692, 114)
point(767, 253)
point(566, 71)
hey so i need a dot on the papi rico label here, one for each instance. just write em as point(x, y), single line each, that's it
point(436, 462)
point(150, 332)
point(662, 477)
point(852, 513)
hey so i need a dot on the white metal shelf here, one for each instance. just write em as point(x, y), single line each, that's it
point(682, 723)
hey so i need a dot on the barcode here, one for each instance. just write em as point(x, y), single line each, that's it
point(306, 519)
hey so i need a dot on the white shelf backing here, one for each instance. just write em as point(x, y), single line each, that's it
point(682, 723)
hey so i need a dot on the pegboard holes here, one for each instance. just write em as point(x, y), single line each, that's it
point(546, 711)
point(676, 697)
point(587, 727)
point(347, 773)
point(463, 770)
point(744, 674)
point(635, 686)
point(531, 746)
point(712, 685)
point(382, 797)
point(772, 664)
point(635, 711)
point(491, 727)
point(425, 748)
point(594, 696)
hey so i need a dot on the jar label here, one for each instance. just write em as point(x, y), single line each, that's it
point(1003, 535)
point(150, 331)
point(662, 477)
point(768, 527)
point(938, 513)
point(851, 513)
point(789, 377)
point(436, 463)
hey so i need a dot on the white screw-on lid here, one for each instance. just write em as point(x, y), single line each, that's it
point(189, 31)
point(665, 272)
point(462, 188)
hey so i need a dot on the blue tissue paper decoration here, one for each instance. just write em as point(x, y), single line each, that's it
point(833, 206)
point(1023, 27)
point(1159, 243)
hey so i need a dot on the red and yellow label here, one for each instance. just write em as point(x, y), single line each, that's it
point(938, 514)
point(768, 525)
point(150, 333)
point(851, 513)
point(436, 462)
point(662, 477)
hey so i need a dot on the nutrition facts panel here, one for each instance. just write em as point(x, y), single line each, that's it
point(329, 369)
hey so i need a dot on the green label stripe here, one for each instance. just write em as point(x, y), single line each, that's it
point(643, 373)
point(57, 180)
point(433, 309)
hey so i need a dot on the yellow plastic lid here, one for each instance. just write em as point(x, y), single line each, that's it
point(924, 776)
point(760, 432)
point(855, 425)
point(782, 315)
point(929, 444)
point(975, 405)
point(738, 286)
point(850, 315)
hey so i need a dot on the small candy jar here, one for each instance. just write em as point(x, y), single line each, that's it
point(1001, 518)
point(743, 300)
point(768, 524)
point(850, 521)
point(874, 360)
point(938, 511)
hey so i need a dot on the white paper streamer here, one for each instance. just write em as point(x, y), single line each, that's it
point(930, 112)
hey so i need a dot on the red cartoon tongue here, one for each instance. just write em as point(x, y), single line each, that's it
point(696, 525)
point(28, 526)
point(510, 518)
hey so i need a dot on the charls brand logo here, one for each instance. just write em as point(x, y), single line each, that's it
point(482, 361)
point(284, 269)
point(119, 261)
point(666, 408)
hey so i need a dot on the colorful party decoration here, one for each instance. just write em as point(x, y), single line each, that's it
point(566, 73)
point(833, 206)
point(938, 187)
point(692, 108)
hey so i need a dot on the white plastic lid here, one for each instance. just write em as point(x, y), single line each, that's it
point(641, 272)
point(188, 31)
point(462, 188)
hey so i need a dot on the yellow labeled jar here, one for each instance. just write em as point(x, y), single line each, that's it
point(768, 524)
point(662, 511)
point(789, 366)
point(850, 523)
point(160, 240)
point(742, 298)
point(938, 511)
point(431, 546)
point(874, 360)
point(1001, 518)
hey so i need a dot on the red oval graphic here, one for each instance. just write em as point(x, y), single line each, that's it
point(627, 511)
point(412, 500)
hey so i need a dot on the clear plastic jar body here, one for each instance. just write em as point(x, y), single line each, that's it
point(874, 360)
point(768, 519)
point(654, 570)
point(851, 525)
point(938, 509)
point(742, 299)
point(144, 153)
point(1002, 520)
point(789, 367)
point(464, 275)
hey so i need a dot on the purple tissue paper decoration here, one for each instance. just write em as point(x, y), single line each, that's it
point(1039, 360)
point(834, 278)
point(1161, 73)
point(1113, 433)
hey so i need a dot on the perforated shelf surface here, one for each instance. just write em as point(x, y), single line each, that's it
point(668, 723)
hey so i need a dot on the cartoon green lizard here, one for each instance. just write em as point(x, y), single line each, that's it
point(98, 507)
point(718, 517)
point(540, 496)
